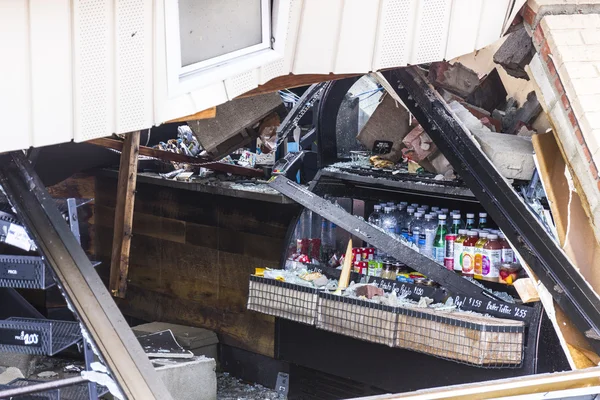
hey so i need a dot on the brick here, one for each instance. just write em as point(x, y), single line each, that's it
point(565, 102)
point(590, 36)
point(579, 136)
point(538, 35)
point(551, 67)
point(545, 52)
point(572, 118)
point(559, 86)
point(576, 70)
point(586, 154)
point(585, 86)
point(567, 38)
point(593, 169)
point(528, 15)
point(570, 21)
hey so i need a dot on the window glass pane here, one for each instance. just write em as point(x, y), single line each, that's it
point(212, 28)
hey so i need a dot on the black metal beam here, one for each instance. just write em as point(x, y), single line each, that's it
point(466, 294)
point(567, 286)
point(80, 284)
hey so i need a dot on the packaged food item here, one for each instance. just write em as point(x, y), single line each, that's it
point(458, 249)
point(508, 273)
point(490, 265)
point(374, 268)
point(449, 256)
point(468, 254)
point(479, 254)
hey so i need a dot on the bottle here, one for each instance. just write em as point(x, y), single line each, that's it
point(482, 221)
point(445, 211)
point(449, 256)
point(414, 205)
point(458, 249)
point(375, 217)
point(456, 212)
point(491, 262)
point(425, 207)
point(439, 242)
point(407, 221)
point(468, 254)
point(470, 225)
point(415, 228)
point(327, 241)
point(427, 236)
point(455, 227)
point(479, 255)
point(388, 221)
point(401, 216)
point(508, 254)
point(435, 209)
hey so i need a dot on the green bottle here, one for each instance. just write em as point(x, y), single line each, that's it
point(439, 242)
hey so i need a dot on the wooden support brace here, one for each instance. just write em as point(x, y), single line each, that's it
point(119, 265)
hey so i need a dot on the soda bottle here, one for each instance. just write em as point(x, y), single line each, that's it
point(482, 221)
point(439, 242)
point(456, 224)
point(470, 225)
point(407, 221)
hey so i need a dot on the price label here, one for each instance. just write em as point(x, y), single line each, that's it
point(17, 237)
point(493, 307)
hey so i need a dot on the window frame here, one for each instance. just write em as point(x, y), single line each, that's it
point(182, 79)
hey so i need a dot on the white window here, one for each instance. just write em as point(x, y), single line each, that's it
point(211, 40)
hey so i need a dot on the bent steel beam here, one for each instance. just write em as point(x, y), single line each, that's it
point(567, 286)
point(79, 282)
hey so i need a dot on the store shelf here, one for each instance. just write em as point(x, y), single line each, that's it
point(37, 336)
point(24, 272)
point(400, 183)
point(52, 394)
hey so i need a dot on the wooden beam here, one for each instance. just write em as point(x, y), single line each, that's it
point(182, 158)
point(204, 114)
point(292, 81)
point(119, 265)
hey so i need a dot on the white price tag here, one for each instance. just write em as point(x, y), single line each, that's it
point(17, 237)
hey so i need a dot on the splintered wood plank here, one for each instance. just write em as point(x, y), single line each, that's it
point(119, 265)
point(204, 114)
point(576, 237)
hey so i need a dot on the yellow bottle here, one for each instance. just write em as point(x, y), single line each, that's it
point(479, 254)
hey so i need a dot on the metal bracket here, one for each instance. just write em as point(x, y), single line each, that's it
point(567, 286)
point(466, 294)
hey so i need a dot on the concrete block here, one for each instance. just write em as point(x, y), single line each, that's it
point(455, 77)
point(512, 155)
point(10, 375)
point(24, 362)
point(189, 379)
point(198, 340)
point(515, 53)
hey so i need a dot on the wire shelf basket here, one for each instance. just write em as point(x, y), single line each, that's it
point(462, 337)
point(357, 318)
point(282, 299)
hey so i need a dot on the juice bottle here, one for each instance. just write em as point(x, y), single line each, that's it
point(491, 262)
point(439, 243)
point(470, 221)
point(458, 249)
point(482, 221)
point(479, 255)
point(508, 254)
point(468, 254)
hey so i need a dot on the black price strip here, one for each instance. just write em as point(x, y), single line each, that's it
point(498, 309)
point(412, 291)
point(20, 337)
point(17, 271)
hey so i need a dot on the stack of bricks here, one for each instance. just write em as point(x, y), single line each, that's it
point(567, 37)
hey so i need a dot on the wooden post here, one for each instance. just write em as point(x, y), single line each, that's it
point(119, 265)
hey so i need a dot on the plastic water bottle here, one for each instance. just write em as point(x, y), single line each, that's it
point(388, 221)
point(407, 221)
point(456, 224)
point(426, 235)
point(375, 217)
point(439, 243)
point(415, 228)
